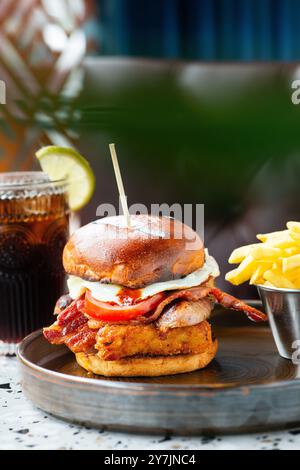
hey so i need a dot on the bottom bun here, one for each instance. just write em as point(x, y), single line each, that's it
point(147, 366)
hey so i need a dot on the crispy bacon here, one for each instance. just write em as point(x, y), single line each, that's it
point(83, 340)
point(71, 328)
point(71, 318)
point(228, 301)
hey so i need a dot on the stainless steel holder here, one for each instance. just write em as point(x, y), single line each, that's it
point(283, 309)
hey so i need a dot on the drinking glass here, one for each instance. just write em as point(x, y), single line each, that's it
point(34, 227)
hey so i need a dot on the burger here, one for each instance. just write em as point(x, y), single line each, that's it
point(140, 298)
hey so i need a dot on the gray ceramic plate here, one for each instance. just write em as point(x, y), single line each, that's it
point(248, 387)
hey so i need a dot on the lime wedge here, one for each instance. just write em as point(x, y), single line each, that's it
point(67, 163)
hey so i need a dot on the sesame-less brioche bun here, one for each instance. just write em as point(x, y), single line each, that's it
point(152, 249)
point(147, 366)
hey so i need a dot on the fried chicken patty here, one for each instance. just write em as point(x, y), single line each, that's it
point(115, 342)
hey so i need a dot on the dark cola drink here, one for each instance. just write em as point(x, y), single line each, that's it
point(34, 227)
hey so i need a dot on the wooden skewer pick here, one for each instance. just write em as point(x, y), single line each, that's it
point(123, 197)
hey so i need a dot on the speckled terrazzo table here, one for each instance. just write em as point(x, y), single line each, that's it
point(22, 426)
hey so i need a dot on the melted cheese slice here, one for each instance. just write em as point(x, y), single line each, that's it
point(109, 292)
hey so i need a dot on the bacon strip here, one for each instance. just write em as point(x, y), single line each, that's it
point(71, 328)
point(83, 341)
point(228, 301)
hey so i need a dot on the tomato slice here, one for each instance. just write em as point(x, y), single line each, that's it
point(112, 312)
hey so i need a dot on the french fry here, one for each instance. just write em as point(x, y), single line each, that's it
point(240, 253)
point(233, 277)
point(281, 241)
point(295, 235)
point(294, 226)
point(290, 263)
point(294, 275)
point(278, 279)
point(243, 272)
point(263, 251)
point(264, 237)
point(277, 264)
point(268, 284)
point(257, 276)
point(293, 250)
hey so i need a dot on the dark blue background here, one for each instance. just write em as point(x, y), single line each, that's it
point(201, 29)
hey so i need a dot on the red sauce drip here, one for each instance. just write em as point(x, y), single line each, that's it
point(129, 296)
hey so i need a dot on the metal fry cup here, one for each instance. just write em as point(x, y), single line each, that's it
point(283, 309)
